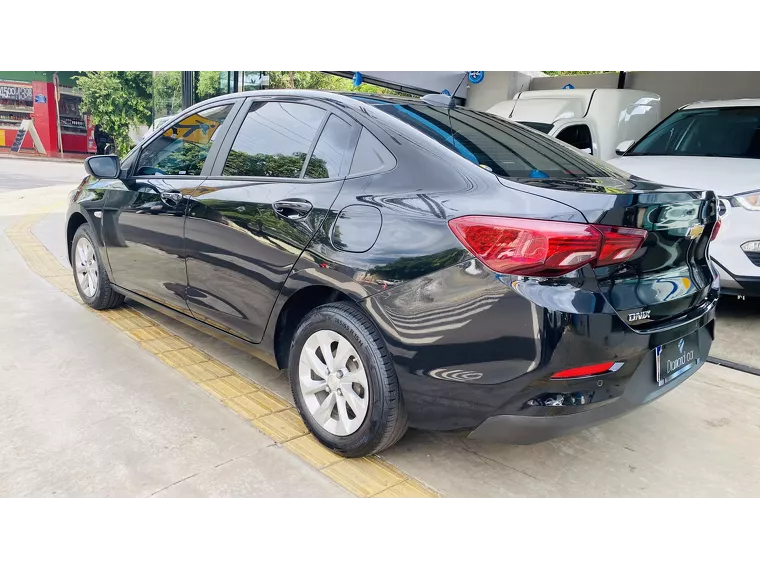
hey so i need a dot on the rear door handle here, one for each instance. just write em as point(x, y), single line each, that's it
point(293, 209)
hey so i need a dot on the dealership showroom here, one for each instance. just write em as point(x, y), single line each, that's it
point(438, 284)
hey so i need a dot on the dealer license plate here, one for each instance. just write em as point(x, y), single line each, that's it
point(676, 358)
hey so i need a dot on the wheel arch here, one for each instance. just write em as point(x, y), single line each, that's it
point(293, 311)
point(76, 220)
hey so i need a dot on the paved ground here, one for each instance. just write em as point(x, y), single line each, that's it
point(18, 174)
point(84, 411)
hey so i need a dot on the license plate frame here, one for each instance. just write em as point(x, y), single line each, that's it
point(675, 358)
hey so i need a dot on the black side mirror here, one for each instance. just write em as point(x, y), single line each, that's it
point(103, 166)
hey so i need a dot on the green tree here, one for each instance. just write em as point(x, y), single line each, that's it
point(209, 85)
point(167, 93)
point(576, 72)
point(322, 81)
point(117, 100)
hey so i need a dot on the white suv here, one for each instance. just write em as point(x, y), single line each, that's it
point(712, 145)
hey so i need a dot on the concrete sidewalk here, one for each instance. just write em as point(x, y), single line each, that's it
point(85, 412)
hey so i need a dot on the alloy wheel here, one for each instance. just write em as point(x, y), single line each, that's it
point(86, 264)
point(333, 382)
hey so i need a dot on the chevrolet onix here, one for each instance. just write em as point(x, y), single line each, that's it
point(408, 261)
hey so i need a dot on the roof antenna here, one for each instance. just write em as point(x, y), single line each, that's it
point(444, 98)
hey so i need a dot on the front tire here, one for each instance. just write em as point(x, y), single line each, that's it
point(344, 383)
point(90, 274)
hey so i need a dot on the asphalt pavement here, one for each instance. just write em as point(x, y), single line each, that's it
point(20, 174)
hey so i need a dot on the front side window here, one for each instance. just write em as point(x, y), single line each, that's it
point(732, 132)
point(503, 147)
point(181, 150)
point(274, 140)
point(577, 135)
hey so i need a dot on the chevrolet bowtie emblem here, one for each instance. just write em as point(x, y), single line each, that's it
point(695, 231)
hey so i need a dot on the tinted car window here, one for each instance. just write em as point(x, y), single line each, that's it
point(371, 155)
point(330, 150)
point(731, 132)
point(505, 148)
point(539, 126)
point(274, 140)
point(577, 135)
point(181, 150)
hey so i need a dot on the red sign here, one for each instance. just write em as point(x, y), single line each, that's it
point(92, 147)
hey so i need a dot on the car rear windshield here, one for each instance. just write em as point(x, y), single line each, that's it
point(732, 132)
point(503, 147)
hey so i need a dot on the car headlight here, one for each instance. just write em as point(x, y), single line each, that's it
point(750, 201)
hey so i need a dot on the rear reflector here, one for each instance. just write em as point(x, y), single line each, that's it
point(715, 230)
point(536, 247)
point(584, 371)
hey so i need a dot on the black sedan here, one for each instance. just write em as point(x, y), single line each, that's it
point(409, 262)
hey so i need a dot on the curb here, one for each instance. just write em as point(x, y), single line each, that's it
point(42, 158)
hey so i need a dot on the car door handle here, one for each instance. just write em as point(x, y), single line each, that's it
point(293, 209)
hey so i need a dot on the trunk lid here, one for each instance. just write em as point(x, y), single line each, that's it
point(670, 275)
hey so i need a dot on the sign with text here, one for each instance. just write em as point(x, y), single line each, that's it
point(15, 92)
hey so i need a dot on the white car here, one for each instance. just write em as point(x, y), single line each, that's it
point(712, 145)
point(594, 121)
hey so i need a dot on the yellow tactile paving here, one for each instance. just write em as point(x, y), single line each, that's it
point(147, 334)
point(365, 476)
point(166, 344)
point(407, 489)
point(181, 358)
point(310, 449)
point(270, 413)
point(283, 426)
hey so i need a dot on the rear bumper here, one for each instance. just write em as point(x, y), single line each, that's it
point(641, 388)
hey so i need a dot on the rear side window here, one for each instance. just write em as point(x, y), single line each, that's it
point(274, 140)
point(505, 148)
point(577, 135)
point(181, 150)
point(371, 155)
point(331, 149)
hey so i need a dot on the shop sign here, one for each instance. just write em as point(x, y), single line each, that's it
point(41, 99)
point(15, 92)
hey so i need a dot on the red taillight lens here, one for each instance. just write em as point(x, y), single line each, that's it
point(715, 230)
point(620, 243)
point(535, 247)
point(584, 371)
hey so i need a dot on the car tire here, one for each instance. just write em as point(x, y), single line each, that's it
point(366, 383)
point(90, 275)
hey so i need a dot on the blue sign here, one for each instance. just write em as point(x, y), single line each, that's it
point(358, 79)
point(446, 92)
point(568, 86)
point(40, 99)
point(476, 77)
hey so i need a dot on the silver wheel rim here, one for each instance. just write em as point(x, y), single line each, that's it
point(86, 266)
point(333, 383)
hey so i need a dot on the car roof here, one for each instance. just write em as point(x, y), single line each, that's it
point(356, 97)
point(723, 104)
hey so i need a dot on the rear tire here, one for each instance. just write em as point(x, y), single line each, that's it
point(365, 413)
point(90, 274)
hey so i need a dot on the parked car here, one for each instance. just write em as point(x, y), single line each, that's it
point(408, 262)
point(594, 121)
point(712, 145)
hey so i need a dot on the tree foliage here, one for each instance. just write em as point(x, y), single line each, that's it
point(117, 100)
point(321, 81)
point(273, 165)
point(576, 72)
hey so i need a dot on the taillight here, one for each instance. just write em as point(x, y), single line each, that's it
point(536, 247)
point(715, 230)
